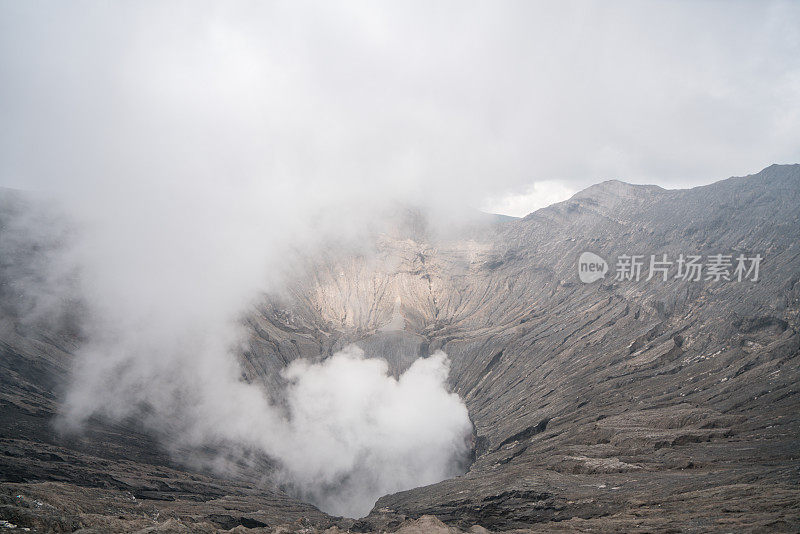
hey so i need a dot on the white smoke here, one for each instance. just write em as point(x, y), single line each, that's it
point(350, 432)
point(166, 274)
point(164, 299)
point(363, 433)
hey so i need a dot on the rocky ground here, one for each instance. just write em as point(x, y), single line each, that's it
point(613, 406)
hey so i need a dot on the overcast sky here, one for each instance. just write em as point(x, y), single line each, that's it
point(503, 105)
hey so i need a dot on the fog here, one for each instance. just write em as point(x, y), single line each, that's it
point(196, 147)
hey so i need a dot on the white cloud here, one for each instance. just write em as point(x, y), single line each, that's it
point(405, 99)
point(537, 195)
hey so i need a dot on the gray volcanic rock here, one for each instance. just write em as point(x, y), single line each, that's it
point(625, 405)
point(601, 400)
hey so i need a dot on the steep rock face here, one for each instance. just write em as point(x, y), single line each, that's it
point(609, 406)
point(591, 399)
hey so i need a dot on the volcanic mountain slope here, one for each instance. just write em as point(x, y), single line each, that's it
point(619, 402)
point(616, 405)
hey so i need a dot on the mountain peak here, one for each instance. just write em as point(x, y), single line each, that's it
point(620, 189)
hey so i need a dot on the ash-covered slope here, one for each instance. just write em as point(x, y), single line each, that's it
point(619, 402)
point(608, 406)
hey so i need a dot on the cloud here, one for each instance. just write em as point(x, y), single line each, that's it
point(537, 195)
point(463, 100)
